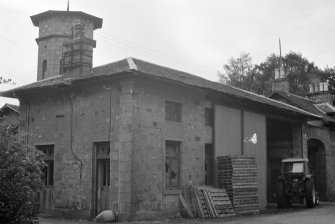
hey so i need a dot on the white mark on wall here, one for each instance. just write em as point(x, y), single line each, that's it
point(252, 139)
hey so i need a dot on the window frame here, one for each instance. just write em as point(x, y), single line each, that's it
point(49, 170)
point(179, 113)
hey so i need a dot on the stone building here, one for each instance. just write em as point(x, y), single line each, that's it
point(130, 134)
point(320, 133)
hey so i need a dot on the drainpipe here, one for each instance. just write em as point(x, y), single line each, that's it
point(71, 141)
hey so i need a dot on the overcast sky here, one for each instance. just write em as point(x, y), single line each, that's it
point(196, 36)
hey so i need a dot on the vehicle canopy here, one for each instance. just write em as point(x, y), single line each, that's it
point(293, 160)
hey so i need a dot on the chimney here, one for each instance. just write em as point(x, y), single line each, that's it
point(319, 92)
point(280, 83)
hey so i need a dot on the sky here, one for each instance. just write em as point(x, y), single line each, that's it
point(195, 36)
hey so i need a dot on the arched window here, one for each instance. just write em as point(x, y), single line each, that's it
point(44, 68)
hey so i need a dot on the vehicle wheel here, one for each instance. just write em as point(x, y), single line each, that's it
point(310, 193)
point(282, 199)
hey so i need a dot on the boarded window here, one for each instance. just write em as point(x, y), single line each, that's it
point(48, 170)
point(208, 116)
point(44, 68)
point(172, 111)
point(172, 164)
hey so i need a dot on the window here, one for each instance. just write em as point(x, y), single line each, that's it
point(208, 116)
point(172, 164)
point(48, 170)
point(44, 68)
point(172, 111)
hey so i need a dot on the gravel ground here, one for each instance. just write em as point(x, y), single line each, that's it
point(323, 214)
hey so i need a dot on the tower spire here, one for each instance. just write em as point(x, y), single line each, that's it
point(280, 52)
point(68, 5)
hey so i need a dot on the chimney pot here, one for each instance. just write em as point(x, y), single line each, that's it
point(325, 86)
point(321, 86)
point(311, 88)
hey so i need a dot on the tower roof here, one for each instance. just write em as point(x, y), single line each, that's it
point(41, 16)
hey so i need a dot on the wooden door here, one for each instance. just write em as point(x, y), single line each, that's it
point(255, 125)
point(46, 194)
point(103, 177)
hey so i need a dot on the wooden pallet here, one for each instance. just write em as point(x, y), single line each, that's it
point(238, 175)
point(208, 202)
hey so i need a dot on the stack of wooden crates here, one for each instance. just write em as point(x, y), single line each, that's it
point(238, 175)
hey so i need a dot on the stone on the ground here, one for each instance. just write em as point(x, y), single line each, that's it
point(106, 216)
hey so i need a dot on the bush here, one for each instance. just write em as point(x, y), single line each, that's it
point(20, 179)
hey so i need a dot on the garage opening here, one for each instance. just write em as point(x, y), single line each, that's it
point(318, 166)
point(279, 146)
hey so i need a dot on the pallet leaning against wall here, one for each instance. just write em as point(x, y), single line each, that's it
point(207, 202)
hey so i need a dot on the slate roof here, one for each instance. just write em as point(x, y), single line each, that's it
point(305, 104)
point(326, 108)
point(137, 67)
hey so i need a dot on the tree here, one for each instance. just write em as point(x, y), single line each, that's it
point(257, 78)
point(236, 70)
point(6, 81)
point(299, 72)
point(263, 74)
point(20, 178)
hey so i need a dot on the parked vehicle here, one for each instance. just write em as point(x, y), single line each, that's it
point(296, 184)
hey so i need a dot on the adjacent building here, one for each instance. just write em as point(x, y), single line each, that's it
point(320, 133)
point(9, 115)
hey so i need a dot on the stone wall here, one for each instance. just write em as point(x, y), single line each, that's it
point(149, 194)
point(73, 121)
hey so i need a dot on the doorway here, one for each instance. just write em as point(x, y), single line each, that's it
point(209, 165)
point(102, 178)
point(318, 166)
point(46, 194)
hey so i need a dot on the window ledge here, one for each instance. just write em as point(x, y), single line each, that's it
point(172, 192)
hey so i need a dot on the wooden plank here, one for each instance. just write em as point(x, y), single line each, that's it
point(195, 192)
point(185, 205)
point(210, 202)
